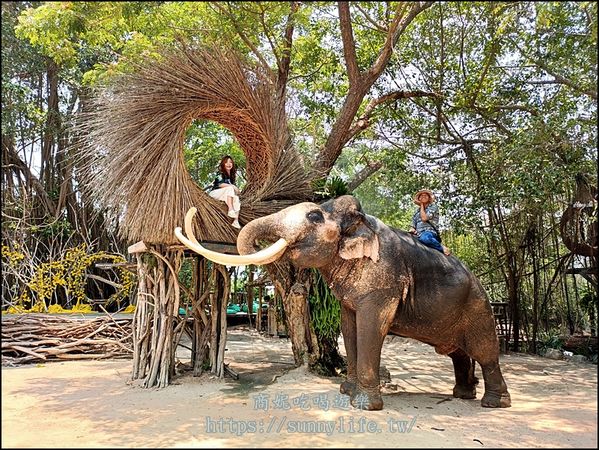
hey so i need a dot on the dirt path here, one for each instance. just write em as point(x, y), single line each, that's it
point(92, 404)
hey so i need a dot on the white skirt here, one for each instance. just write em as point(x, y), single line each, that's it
point(222, 194)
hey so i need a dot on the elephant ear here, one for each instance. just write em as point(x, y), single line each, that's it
point(359, 239)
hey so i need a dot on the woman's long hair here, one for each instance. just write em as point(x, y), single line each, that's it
point(223, 171)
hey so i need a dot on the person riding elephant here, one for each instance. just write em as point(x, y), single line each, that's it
point(426, 220)
point(386, 283)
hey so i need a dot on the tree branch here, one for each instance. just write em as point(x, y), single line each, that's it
point(377, 26)
point(398, 26)
point(363, 174)
point(363, 121)
point(562, 80)
point(266, 29)
point(285, 61)
point(244, 38)
point(31, 179)
point(104, 280)
point(360, 83)
point(349, 44)
point(524, 108)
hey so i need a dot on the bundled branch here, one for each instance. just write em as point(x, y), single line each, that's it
point(28, 338)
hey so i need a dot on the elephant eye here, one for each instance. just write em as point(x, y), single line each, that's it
point(315, 216)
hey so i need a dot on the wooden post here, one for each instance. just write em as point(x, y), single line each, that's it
point(156, 310)
point(225, 286)
point(141, 319)
point(218, 313)
point(201, 323)
point(157, 327)
point(271, 316)
point(250, 293)
point(259, 312)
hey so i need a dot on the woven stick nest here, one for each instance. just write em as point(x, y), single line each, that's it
point(135, 132)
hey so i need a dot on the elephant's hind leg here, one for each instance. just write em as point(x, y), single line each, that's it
point(465, 381)
point(496, 393)
point(482, 345)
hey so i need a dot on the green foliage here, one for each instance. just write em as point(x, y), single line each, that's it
point(551, 339)
point(205, 144)
point(325, 309)
point(185, 278)
point(589, 300)
point(330, 187)
point(57, 229)
point(100, 38)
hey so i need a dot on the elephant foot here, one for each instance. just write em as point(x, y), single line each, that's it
point(348, 388)
point(494, 400)
point(466, 392)
point(367, 401)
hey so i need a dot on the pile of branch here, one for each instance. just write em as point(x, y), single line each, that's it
point(28, 338)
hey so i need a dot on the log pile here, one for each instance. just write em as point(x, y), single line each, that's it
point(29, 338)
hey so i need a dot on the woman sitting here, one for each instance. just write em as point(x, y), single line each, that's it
point(224, 188)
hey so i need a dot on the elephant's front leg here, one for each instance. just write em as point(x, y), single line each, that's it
point(371, 329)
point(348, 329)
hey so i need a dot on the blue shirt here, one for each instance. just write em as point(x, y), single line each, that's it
point(432, 212)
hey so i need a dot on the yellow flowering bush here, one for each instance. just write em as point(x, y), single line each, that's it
point(69, 273)
point(82, 308)
point(13, 257)
point(56, 309)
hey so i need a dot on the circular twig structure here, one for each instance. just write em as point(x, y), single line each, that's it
point(134, 136)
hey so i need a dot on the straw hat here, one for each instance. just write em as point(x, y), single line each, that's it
point(424, 191)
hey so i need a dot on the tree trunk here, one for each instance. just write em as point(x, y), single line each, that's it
point(297, 313)
point(360, 82)
point(52, 128)
point(320, 353)
point(156, 315)
point(535, 288)
point(513, 282)
point(44, 199)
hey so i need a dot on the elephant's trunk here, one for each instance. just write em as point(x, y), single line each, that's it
point(267, 228)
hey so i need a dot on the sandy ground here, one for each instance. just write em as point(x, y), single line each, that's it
point(93, 404)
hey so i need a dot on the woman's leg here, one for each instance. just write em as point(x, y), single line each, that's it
point(228, 195)
point(229, 202)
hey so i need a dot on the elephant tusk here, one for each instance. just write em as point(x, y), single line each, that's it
point(188, 225)
point(264, 256)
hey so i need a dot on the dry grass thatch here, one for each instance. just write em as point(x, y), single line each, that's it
point(135, 133)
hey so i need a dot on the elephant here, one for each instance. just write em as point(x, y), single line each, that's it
point(387, 282)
